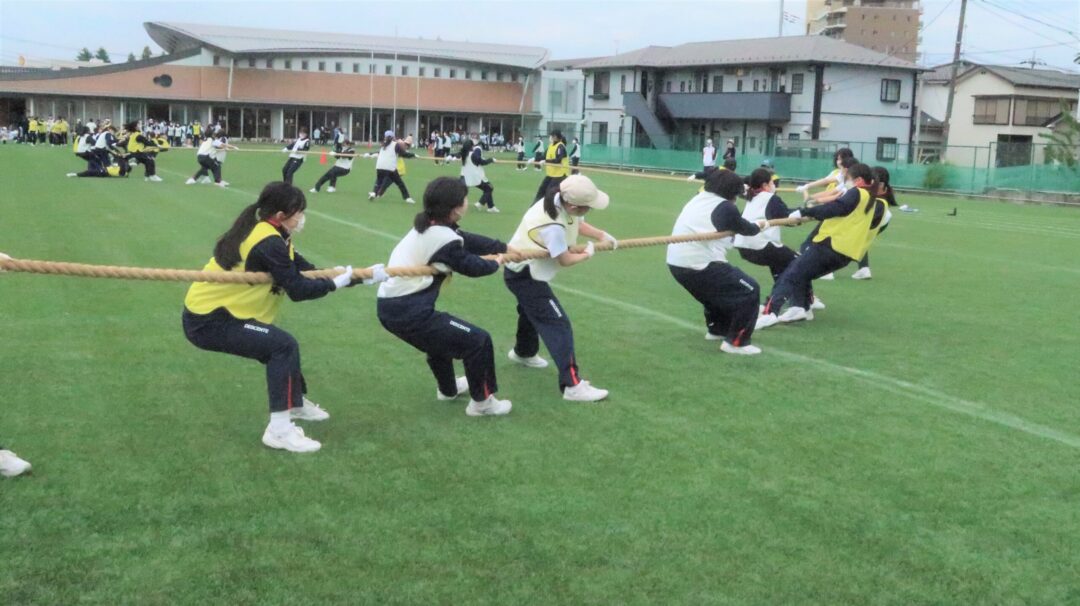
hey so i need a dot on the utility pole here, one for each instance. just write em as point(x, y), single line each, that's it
point(952, 76)
point(780, 23)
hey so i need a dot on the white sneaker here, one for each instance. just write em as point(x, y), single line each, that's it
point(73, 174)
point(410, 201)
point(793, 314)
point(310, 411)
point(531, 362)
point(155, 179)
point(491, 406)
point(205, 180)
point(330, 190)
point(11, 465)
point(371, 196)
point(462, 388)
point(584, 392)
point(313, 190)
point(494, 209)
point(765, 321)
point(190, 181)
point(828, 276)
point(711, 337)
point(291, 439)
point(745, 350)
point(478, 205)
point(862, 274)
point(817, 304)
point(222, 184)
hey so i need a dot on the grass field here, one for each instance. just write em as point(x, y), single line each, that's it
point(917, 443)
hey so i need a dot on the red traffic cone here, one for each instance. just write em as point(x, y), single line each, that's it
point(322, 158)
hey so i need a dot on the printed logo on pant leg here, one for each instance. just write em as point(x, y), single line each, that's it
point(264, 331)
point(460, 326)
point(744, 283)
point(555, 306)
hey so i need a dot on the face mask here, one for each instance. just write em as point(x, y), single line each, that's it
point(299, 226)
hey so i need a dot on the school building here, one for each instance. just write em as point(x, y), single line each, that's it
point(268, 84)
point(763, 93)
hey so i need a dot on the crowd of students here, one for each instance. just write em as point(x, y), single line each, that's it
point(238, 319)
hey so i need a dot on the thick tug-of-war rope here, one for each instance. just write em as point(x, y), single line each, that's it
point(117, 272)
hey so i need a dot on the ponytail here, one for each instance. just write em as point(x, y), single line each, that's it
point(881, 177)
point(275, 197)
point(441, 197)
point(757, 181)
point(549, 202)
point(466, 149)
point(227, 249)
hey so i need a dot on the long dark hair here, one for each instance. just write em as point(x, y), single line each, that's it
point(276, 197)
point(862, 171)
point(549, 201)
point(466, 149)
point(387, 141)
point(881, 177)
point(843, 152)
point(441, 197)
point(724, 183)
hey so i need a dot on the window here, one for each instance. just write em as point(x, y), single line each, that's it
point(682, 86)
point(793, 136)
point(600, 133)
point(337, 66)
point(304, 65)
point(468, 74)
point(483, 74)
point(288, 64)
point(404, 70)
point(371, 68)
point(453, 73)
point(251, 61)
point(751, 142)
point(322, 66)
point(717, 84)
point(738, 86)
point(438, 72)
point(1037, 112)
point(498, 76)
point(756, 86)
point(991, 111)
point(217, 59)
point(622, 83)
point(269, 64)
point(796, 84)
point(890, 90)
point(356, 68)
point(601, 85)
point(514, 77)
point(388, 70)
point(423, 71)
point(667, 86)
point(886, 149)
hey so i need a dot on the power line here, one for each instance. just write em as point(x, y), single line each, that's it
point(989, 9)
point(1032, 19)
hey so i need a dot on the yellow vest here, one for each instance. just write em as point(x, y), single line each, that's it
point(242, 301)
point(196, 129)
point(527, 238)
point(561, 169)
point(113, 170)
point(851, 234)
point(33, 126)
point(401, 166)
point(832, 180)
point(41, 127)
point(133, 145)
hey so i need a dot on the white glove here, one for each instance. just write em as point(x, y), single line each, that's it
point(378, 274)
point(590, 250)
point(795, 215)
point(344, 278)
point(610, 238)
point(763, 224)
point(494, 160)
point(691, 178)
point(3, 257)
point(800, 188)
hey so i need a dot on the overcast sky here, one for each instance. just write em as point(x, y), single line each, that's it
point(581, 28)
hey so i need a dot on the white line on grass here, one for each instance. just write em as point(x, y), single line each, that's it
point(890, 384)
point(914, 391)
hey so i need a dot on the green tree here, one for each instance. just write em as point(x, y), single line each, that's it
point(131, 57)
point(146, 54)
point(103, 55)
point(1063, 143)
point(84, 55)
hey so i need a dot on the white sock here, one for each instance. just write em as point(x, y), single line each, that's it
point(280, 421)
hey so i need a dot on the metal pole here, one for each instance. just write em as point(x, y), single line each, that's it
point(418, 99)
point(371, 98)
point(952, 75)
point(780, 24)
